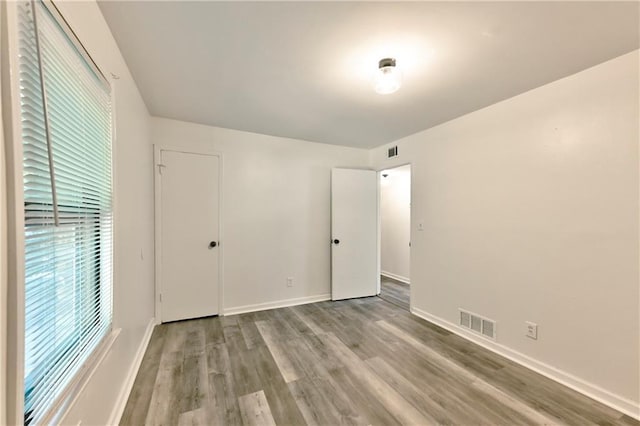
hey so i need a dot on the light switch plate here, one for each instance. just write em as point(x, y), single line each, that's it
point(531, 330)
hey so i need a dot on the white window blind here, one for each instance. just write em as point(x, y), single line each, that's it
point(66, 132)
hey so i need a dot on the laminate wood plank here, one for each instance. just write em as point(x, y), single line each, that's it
point(261, 315)
point(348, 330)
point(288, 366)
point(418, 368)
point(234, 361)
point(193, 418)
point(245, 376)
point(194, 378)
point(285, 331)
point(325, 318)
point(552, 398)
point(247, 317)
point(251, 335)
point(307, 320)
point(396, 287)
point(397, 297)
point(232, 334)
point(283, 406)
point(313, 404)
point(135, 411)
point(301, 328)
point(356, 342)
point(392, 400)
point(347, 411)
point(395, 292)
point(223, 407)
point(389, 310)
point(307, 361)
point(255, 410)
point(448, 390)
point(324, 355)
point(625, 420)
point(312, 311)
point(356, 316)
point(454, 368)
point(455, 394)
point(212, 330)
point(194, 341)
point(364, 401)
point(414, 324)
point(477, 359)
point(194, 382)
point(416, 397)
point(531, 415)
point(218, 359)
point(164, 406)
point(364, 312)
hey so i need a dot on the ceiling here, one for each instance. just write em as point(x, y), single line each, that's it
point(303, 69)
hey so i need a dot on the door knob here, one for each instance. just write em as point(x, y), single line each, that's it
point(212, 244)
point(336, 241)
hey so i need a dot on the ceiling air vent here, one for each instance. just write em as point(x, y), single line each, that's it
point(393, 152)
point(478, 324)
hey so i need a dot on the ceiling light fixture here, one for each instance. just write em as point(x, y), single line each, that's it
point(388, 78)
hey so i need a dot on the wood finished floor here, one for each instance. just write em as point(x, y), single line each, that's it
point(355, 362)
point(395, 292)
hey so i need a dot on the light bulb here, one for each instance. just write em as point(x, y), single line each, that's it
point(388, 78)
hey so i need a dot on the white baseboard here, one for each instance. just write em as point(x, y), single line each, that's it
point(395, 277)
point(123, 397)
point(277, 304)
point(604, 396)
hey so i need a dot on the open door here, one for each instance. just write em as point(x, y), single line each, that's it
point(354, 230)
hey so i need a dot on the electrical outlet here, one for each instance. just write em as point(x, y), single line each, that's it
point(532, 330)
point(290, 282)
point(420, 226)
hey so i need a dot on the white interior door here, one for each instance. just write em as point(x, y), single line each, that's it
point(354, 230)
point(190, 252)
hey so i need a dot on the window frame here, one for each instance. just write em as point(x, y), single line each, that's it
point(15, 297)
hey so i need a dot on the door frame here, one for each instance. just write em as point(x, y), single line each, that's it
point(379, 171)
point(157, 195)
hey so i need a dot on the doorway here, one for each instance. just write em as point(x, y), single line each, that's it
point(395, 235)
point(188, 252)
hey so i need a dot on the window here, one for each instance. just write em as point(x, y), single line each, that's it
point(66, 139)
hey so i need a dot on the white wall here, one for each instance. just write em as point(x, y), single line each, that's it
point(530, 211)
point(133, 239)
point(3, 250)
point(275, 211)
point(395, 226)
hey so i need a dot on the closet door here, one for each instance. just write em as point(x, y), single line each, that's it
point(189, 230)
